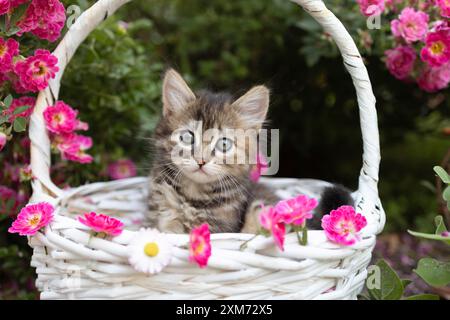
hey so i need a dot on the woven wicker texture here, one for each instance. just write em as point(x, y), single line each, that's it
point(71, 264)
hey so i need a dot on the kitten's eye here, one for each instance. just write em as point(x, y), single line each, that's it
point(223, 145)
point(187, 137)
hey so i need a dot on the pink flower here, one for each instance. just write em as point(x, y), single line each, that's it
point(411, 25)
point(400, 61)
point(259, 168)
point(8, 50)
point(122, 169)
point(34, 72)
point(343, 225)
point(102, 223)
point(20, 102)
point(273, 222)
point(3, 140)
point(433, 79)
point(43, 18)
point(437, 49)
point(73, 146)
point(371, 7)
point(444, 6)
point(4, 6)
point(32, 218)
point(296, 210)
point(60, 118)
point(200, 245)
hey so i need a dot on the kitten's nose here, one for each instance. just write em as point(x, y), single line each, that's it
point(201, 163)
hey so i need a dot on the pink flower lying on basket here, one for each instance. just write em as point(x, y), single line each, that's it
point(200, 245)
point(259, 168)
point(8, 50)
point(32, 218)
point(296, 210)
point(43, 18)
point(3, 140)
point(437, 49)
point(273, 222)
point(411, 25)
point(121, 169)
point(343, 225)
point(102, 223)
point(371, 7)
point(400, 61)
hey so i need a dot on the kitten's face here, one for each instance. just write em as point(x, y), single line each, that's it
point(203, 135)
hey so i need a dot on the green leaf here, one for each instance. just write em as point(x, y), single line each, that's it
point(440, 225)
point(7, 101)
point(430, 236)
point(425, 296)
point(391, 287)
point(405, 283)
point(20, 124)
point(3, 119)
point(434, 272)
point(442, 174)
point(446, 194)
point(21, 109)
point(18, 13)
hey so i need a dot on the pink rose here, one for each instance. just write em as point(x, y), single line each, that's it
point(411, 25)
point(200, 245)
point(73, 147)
point(44, 18)
point(437, 48)
point(400, 61)
point(8, 50)
point(371, 7)
point(273, 222)
point(121, 169)
point(434, 79)
point(34, 72)
point(102, 223)
point(444, 6)
point(296, 210)
point(32, 218)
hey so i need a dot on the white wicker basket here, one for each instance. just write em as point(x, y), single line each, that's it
point(70, 265)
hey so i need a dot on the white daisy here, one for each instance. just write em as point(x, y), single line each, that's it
point(150, 251)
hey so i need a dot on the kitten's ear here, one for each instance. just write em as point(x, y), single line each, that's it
point(253, 106)
point(176, 94)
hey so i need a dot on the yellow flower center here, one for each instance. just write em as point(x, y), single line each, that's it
point(3, 50)
point(437, 47)
point(151, 249)
point(200, 248)
point(34, 221)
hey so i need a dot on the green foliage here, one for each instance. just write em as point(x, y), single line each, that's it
point(438, 235)
point(389, 286)
point(434, 272)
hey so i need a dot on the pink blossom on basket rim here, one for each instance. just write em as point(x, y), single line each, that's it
point(400, 61)
point(20, 102)
point(343, 225)
point(259, 168)
point(102, 223)
point(433, 79)
point(371, 7)
point(411, 25)
point(43, 18)
point(3, 140)
point(121, 169)
point(437, 48)
point(8, 50)
point(273, 222)
point(32, 218)
point(200, 245)
point(296, 210)
point(35, 71)
point(444, 6)
point(60, 118)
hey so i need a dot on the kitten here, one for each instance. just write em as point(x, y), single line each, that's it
point(190, 183)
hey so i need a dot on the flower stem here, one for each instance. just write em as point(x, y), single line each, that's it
point(304, 236)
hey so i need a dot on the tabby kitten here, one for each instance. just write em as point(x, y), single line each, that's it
point(199, 187)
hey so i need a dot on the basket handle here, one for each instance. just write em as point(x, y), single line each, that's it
point(367, 193)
